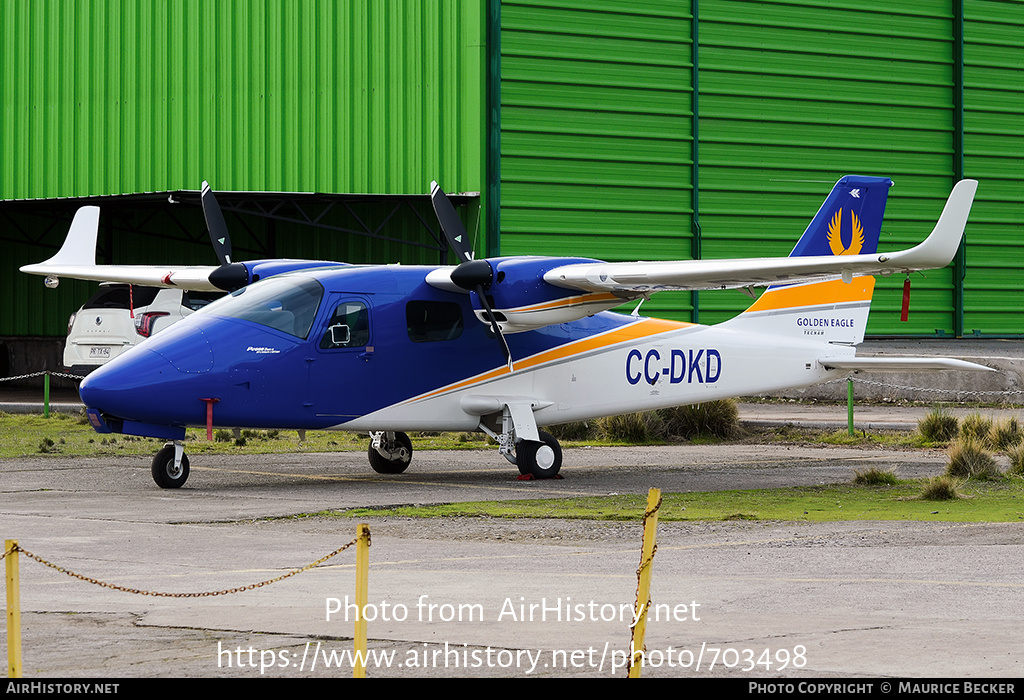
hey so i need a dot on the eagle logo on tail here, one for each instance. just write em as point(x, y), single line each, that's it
point(835, 241)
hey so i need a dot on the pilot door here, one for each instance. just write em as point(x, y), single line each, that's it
point(341, 364)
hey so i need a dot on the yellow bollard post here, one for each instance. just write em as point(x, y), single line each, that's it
point(362, 593)
point(13, 610)
point(643, 590)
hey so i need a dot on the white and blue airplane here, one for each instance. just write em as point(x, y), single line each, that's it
point(500, 345)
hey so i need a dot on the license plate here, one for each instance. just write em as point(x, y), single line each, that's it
point(99, 353)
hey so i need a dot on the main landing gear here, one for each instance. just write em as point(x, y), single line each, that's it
point(540, 459)
point(535, 452)
point(510, 422)
point(390, 452)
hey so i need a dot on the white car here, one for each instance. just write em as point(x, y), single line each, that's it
point(119, 315)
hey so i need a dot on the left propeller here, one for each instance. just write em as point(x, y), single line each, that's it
point(471, 275)
point(230, 275)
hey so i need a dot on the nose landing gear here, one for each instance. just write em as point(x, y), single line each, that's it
point(170, 466)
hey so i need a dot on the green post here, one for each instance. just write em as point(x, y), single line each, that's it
point(46, 394)
point(849, 406)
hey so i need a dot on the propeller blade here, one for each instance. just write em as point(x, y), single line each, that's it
point(494, 325)
point(215, 224)
point(451, 224)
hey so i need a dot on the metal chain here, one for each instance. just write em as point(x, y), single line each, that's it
point(956, 391)
point(159, 594)
point(959, 392)
point(62, 375)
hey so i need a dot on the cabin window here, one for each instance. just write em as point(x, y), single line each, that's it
point(349, 327)
point(430, 321)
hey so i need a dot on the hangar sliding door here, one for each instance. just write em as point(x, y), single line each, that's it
point(598, 136)
point(596, 132)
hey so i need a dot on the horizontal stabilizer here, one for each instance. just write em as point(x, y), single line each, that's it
point(901, 364)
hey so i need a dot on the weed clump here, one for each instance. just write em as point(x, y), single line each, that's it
point(940, 488)
point(1016, 455)
point(938, 426)
point(969, 459)
point(580, 430)
point(875, 477)
point(976, 426)
point(718, 419)
point(633, 427)
point(1005, 434)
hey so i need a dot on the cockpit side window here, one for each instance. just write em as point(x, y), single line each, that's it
point(349, 327)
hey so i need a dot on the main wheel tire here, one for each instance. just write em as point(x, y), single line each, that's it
point(542, 460)
point(164, 473)
point(383, 465)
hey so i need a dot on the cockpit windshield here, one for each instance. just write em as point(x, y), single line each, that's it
point(288, 304)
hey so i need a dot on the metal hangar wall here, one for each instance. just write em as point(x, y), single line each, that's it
point(660, 129)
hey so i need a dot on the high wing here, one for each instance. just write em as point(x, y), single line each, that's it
point(77, 260)
point(645, 277)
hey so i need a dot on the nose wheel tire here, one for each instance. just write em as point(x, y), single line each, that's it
point(397, 465)
point(165, 474)
point(541, 460)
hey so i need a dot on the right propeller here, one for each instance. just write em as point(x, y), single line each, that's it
point(471, 275)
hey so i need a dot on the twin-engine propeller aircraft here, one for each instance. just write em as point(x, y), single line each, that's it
point(500, 345)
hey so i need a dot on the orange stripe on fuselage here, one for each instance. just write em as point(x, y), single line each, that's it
point(594, 298)
point(815, 294)
point(625, 334)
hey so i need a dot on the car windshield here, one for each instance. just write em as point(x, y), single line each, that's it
point(287, 304)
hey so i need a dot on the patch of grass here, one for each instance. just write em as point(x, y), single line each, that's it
point(986, 501)
point(580, 430)
point(1016, 455)
point(976, 426)
point(716, 419)
point(1005, 434)
point(875, 477)
point(940, 488)
point(969, 459)
point(634, 428)
point(939, 426)
point(814, 436)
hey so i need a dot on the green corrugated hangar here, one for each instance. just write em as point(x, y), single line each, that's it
point(616, 129)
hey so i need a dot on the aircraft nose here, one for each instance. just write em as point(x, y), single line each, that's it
point(155, 382)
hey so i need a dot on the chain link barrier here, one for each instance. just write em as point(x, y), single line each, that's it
point(161, 594)
point(62, 375)
point(923, 389)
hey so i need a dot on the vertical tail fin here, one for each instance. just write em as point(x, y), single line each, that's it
point(849, 222)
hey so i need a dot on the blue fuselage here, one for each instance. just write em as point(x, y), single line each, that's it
point(310, 350)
